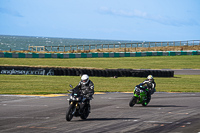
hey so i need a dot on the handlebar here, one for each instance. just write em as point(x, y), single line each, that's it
point(70, 91)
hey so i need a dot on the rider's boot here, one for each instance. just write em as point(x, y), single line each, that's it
point(148, 98)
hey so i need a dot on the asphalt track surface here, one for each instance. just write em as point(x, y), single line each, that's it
point(166, 113)
point(186, 71)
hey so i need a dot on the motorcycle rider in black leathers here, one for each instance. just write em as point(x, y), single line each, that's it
point(86, 89)
point(150, 86)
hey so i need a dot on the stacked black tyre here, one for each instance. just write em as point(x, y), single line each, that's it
point(58, 71)
point(113, 72)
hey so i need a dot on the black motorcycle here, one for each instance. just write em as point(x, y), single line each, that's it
point(78, 105)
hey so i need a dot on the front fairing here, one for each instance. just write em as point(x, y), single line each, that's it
point(140, 93)
point(136, 92)
point(74, 98)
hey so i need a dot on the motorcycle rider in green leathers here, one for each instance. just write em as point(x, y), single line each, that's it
point(150, 86)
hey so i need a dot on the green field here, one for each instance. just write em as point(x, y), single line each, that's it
point(34, 84)
point(151, 62)
point(30, 84)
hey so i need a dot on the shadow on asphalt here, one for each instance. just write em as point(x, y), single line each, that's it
point(164, 106)
point(108, 119)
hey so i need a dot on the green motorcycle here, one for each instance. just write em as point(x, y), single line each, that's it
point(140, 96)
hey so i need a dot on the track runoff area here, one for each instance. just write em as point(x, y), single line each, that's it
point(110, 112)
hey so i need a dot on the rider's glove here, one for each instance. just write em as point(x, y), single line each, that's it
point(141, 84)
point(87, 96)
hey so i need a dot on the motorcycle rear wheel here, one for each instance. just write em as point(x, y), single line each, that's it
point(144, 104)
point(69, 114)
point(147, 101)
point(85, 113)
point(133, 101)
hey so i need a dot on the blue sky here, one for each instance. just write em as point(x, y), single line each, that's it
point(137, 20)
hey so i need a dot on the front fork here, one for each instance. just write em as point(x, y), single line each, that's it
point(76, 107)
point(137, 96)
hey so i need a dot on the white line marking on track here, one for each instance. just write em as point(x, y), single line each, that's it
point(40, 118)
point(26, 105)
point(131, 120)
point(157, 122)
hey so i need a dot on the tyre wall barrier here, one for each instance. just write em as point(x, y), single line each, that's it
point(24, 70)
point(97, 55)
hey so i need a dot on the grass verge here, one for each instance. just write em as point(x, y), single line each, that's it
point(34, 84)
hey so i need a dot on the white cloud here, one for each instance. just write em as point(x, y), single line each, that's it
point(144, 15)
point(134, 13)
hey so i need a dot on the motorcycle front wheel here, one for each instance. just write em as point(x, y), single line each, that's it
point(133, 101)
point(69, 112)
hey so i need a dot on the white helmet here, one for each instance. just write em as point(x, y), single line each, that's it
point(84, 79)
point(150, 77)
